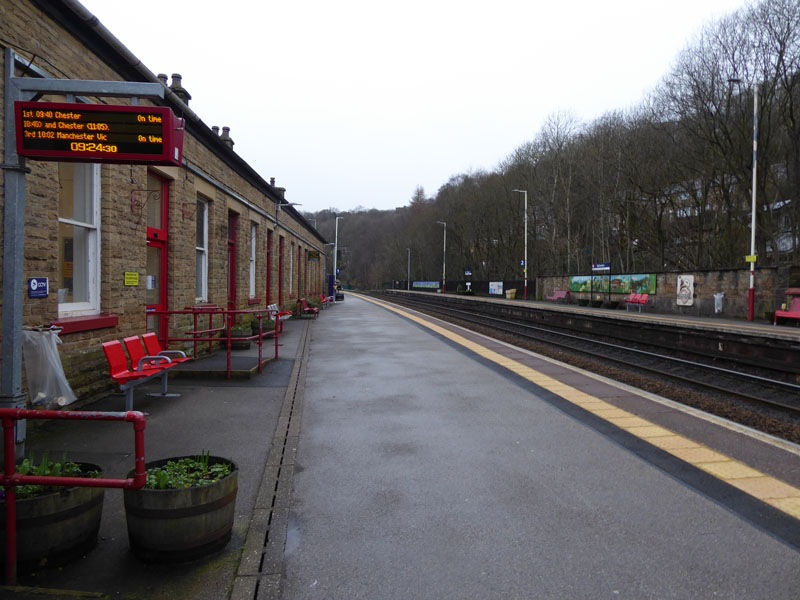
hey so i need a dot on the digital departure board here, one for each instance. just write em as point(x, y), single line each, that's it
point(99, 133)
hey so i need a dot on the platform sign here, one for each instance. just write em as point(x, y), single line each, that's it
point(750, 258)
point(38, 287)
point(71, 132)
point(601, 266)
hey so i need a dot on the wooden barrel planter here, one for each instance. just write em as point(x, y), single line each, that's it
point(59, 526)
point(184, 524)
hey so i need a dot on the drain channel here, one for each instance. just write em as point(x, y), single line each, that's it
point(261, 564)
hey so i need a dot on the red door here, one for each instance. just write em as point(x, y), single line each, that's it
point(157, 201)
point(233, 219)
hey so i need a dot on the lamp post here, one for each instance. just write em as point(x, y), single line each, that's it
point(408, 277)
point(336, 257)
point(751, 292)
point(444, 257)
point(525, 259)
point(326, 268)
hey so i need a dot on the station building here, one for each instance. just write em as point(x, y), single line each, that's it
point(120, 243)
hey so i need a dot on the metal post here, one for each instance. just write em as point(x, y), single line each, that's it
point(11, 395)
point(525, 258)
point(335, 258)
point(408, 276)
point(444, 257)
point(751, 293)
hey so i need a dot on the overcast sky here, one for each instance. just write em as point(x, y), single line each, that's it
point(354, 103)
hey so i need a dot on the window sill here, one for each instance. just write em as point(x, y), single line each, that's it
point(253, 301)
point(77, 324)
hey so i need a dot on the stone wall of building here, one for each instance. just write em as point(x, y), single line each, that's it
point(212, 171)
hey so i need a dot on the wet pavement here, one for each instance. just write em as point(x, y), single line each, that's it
point(234, 418)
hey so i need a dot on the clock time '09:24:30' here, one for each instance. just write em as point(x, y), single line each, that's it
point(92, 147)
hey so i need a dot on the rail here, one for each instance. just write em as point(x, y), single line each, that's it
point(10, 479)
point(209, 334)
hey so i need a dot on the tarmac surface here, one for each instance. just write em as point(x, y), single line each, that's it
point(380, 460)
point(422, 472)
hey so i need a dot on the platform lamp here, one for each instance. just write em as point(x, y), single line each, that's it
point(525, 258)
point(408, 276)
point(751, 292)
point(444, 257)
point(336, 257)
point(326, 267)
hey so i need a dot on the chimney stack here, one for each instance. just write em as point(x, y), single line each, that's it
point(179, 90)
point(226, 137)
point(215, 129)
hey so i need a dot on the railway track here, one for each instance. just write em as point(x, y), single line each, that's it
point(765, 398)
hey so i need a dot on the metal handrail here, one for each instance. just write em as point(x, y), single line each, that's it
point(229, 316)
point(10, 479)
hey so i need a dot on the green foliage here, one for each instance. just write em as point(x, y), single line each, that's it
point(186, 473)
point(46, 468)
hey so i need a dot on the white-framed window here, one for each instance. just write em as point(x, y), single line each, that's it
point(201, 252)
point(78, 239)
point(253, 232)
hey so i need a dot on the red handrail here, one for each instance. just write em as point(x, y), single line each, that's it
point(229, 317)
point(10, 479)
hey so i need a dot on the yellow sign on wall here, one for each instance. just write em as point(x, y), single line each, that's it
point(131, 278)
point(750, 258)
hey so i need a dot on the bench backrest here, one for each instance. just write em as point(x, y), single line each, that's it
point(115, 355)
point(560, 294)
point(151, 343)
point(304, 303)
point(794, 307)
point(135, 349)
point(643, 298)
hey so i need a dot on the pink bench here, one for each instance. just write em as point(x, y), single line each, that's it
point(636, 300)
point(792, 311)
point(559, 296)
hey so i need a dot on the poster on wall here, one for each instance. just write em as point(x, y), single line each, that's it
point(685, 290)
point(616, 284)
point(495, 288)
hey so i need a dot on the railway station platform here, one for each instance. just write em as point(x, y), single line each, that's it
point(435, 463)
point(390, 455)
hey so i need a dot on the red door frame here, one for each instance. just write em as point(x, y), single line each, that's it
point(158, 238)
point(269, 267)
point(280, 271)
point(233, 222)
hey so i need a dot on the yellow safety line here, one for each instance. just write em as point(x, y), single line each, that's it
point(766, 488)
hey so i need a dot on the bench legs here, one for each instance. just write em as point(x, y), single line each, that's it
point(128, 389)
point(164, 394)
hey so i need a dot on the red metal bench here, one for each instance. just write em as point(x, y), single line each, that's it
point(153, 347)
point(147, 369)
point(637, 300)
point(306, 309)
point(792, 311)
point(325, 300)
point(559, 296)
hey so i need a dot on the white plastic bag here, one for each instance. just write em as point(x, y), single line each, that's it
point(47, 385)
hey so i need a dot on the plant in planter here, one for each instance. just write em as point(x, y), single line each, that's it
point(241, 330)
point(185, 510)
point(266, 325)
point(55, 524)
